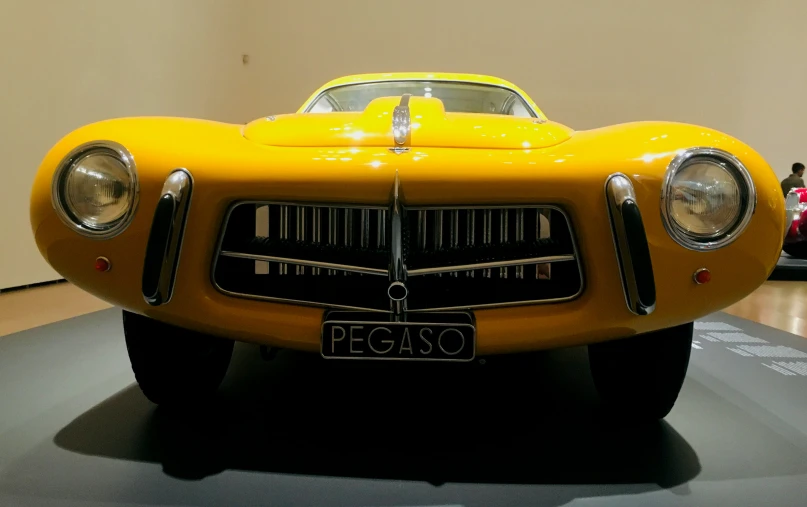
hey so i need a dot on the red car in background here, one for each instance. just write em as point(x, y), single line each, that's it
point(795, 243)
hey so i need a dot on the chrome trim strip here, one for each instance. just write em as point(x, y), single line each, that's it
point(336, 205)
point(300, 234)
point(382, 228)
point(487, 225)
point(283, 269)
point(301, 262)
point(504, 216)
point(520, 237)
point(297, 302)
point(401, 121)
point(454, 234)
point(348, 230)
point(365, 228)
point(423, 220)
point(483, 206)
point(316, 219)
point(333, 224)
point(619, 191)
point(310, 104)
point(682, 160)
point(489, 265)
point(178, 185)
point(438, 230)
point(544, 233)
point(397, 269)
point(76, 155)
point(471, 226)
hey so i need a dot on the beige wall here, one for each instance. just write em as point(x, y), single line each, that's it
point(65, 63)
point(735, 65)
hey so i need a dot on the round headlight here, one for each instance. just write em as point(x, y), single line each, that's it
point(707, 199)
point(95, 189)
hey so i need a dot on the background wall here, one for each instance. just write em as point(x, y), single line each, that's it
point(67, 63)
point(734, 65)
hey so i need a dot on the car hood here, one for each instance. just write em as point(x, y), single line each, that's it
point(431, 126)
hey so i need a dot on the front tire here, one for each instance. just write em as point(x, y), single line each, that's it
point(172, 365)
point(640, 377)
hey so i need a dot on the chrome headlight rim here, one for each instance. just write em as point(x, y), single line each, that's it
point(741, 175)
point(75, 156)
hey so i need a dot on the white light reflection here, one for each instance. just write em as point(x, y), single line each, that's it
point(649, 157)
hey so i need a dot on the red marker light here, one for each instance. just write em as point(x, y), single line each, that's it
point(702, 276)
point(102, 264)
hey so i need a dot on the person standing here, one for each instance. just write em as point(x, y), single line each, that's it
point(795, 179)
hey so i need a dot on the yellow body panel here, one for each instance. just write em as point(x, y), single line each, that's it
point(431, 127)
point(571, 173)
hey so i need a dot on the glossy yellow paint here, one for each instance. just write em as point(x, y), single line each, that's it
point(431, 127)
point(226, 167)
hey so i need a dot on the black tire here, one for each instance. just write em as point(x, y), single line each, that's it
point(172, 365)
point(640, 377)
point(797, 250)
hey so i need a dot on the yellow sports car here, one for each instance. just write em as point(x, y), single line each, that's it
point(411, 216)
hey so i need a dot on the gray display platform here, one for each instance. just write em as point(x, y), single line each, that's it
point(76, 431)
point(789, 268)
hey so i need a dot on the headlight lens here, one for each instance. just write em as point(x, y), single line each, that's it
point(95, 189)
point(707, 200)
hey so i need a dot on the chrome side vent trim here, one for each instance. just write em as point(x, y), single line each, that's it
point(165, 238)
point(630, 243)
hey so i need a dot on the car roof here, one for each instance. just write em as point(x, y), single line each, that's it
point(421, 76)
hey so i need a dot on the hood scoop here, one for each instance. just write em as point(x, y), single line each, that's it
point(379, 125)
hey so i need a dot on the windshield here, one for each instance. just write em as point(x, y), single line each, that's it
point(456, 97)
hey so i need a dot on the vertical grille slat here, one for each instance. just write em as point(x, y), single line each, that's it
point(455, 234)
point(471, 234)
point(487, 234)
point(283, 268)
point(316, 225)
point(503, 229)
point(333, 223)
point(421, 231)
point(300, 226)
point(435, 239)
point(382, 229)
point(520, 238)
point(544, 271)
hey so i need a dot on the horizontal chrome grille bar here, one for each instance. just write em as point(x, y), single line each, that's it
point(487, 265)
point(300, 262)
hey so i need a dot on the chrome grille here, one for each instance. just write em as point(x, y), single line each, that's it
point(455, 257)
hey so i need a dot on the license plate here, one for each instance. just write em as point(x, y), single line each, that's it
point(376, 336)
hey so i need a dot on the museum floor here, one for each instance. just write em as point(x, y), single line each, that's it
point(75, 429)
